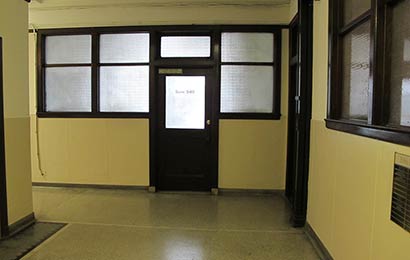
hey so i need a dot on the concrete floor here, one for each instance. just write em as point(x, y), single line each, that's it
point(116, 225)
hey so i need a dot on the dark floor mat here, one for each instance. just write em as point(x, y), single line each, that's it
point(22, 243)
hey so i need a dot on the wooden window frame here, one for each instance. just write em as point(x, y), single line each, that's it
point(377, 126)
point(275, 64)
point(156, 61)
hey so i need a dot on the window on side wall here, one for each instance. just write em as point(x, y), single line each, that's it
point(105, 72)
point(369, 86)
point(250, 77)
point(94, 74)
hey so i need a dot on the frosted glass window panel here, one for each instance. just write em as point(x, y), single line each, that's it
point(356, 73)
point(185, 102)
point(124, 89)
point(354, 8)
point(185, 46)
point(246, 89)
point(68, 89)
point(247, 47)
point(398, 62)
point(124, 48)
point(74, 49)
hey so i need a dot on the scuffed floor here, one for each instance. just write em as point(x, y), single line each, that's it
point(113, 224)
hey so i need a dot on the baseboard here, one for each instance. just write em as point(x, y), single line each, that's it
point(21, 224)
point(317, 243)
point(89, 186)
point(255, 192)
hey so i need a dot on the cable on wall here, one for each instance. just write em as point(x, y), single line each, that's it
point(37, 131)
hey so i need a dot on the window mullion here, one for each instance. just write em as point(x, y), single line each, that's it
point(95, 73)
point(377, 103)
point(277, 59)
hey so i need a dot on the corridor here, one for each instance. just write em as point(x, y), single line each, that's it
point(129, 224)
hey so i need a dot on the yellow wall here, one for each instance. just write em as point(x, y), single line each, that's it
point(13, 29)
point(293, 8)
point(350, 178)
point(65, 153)
point(92, 151)
point(252, 154)
point(58, 13)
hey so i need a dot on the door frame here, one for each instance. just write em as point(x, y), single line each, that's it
point(214, 127)
point(4, 228)
point(305, 59)
point(157, 62)
point(290, 180)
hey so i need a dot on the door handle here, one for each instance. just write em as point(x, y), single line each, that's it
point(208, 122)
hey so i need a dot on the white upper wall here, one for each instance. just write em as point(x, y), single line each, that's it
point(81, 13)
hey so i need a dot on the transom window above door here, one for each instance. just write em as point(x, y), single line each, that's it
point(185, 46)
point(111, 72)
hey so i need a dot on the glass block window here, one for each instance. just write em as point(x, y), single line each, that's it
point(247, 72)
point(369, 79)
point(124, 48)
point(398, 64)
point(185, 46)
point(124, 72)
point(124, 88)
point(68, 73)
point(106, 72)
point(117, 69)
point(68, 89)
point(356, 73)
point(68, 49)
point(246, 89)
point(247, 47)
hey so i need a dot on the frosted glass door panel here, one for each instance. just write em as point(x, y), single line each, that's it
point(185, 102)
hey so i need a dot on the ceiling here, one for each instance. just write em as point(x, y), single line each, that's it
point(59, 4)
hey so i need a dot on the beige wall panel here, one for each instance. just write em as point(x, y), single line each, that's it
point(320, 60)
point(354, 194)
point(390, 240)
point(321, 185)
point(87, 150)
point(19, 198)
point(93, 151)
point(128, 151)
point(13, 29)
point(252, 154)
point(53, 150)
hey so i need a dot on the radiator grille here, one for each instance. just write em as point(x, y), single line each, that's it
point(400, 211)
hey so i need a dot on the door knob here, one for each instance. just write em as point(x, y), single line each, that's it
point(208, 122)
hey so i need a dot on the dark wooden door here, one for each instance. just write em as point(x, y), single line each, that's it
point(300, 110)
point(184, 130)
point(293, 109)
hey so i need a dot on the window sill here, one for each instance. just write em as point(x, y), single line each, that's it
point(392, 135)
point(92, 115)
